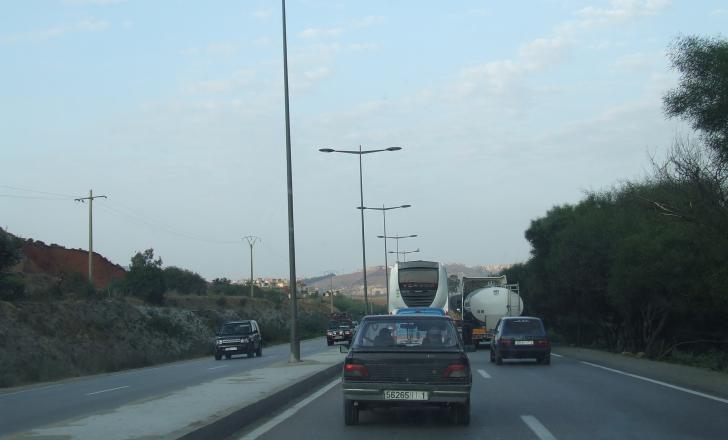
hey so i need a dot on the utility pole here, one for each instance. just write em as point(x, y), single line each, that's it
point(90, 199)
point(251, 239)
point(331, 275)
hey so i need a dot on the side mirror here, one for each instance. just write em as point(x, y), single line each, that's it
point(255, 332)
point(469, 348)
point(343, 348)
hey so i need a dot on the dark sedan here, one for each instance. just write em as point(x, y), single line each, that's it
point(520, 337)
point(406, 360)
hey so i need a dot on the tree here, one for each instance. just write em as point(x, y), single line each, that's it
point(145, 278)
point(702, 93)
point(184, 281)
point(11, 285)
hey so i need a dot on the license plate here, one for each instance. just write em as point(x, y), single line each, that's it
point(338, 337)
point(405, 395)
point(231, 349)
point(524, 342)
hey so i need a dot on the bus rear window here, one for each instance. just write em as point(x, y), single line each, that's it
point(418, 278)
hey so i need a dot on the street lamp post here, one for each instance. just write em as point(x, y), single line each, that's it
point(361, 152)
point(295, 343)
point(404, 253)
point(384, 221)
point(396, 238)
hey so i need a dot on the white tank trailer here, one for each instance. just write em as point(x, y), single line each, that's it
point(484, 301)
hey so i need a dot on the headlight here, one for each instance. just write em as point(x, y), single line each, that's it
point(218, 342)
point(243, 340)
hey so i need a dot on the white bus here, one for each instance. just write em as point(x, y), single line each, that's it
point(418, 284)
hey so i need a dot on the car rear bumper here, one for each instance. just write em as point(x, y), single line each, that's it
point(522, 353)
point(374, 392)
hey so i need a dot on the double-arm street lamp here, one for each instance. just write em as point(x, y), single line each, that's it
point(361, 152)
point(396, 238)
point(384, 220)
point(404, 253)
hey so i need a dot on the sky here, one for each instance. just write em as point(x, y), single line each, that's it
point(174, 111)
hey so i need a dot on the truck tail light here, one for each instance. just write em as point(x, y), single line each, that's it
point(355, 370)
point(456, 371)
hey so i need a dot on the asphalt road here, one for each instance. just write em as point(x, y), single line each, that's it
point(569, 399)
point(26, 408)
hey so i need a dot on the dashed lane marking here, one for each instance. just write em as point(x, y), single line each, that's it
point(557, 355)
point(664, 384)
point(106, 391)
point(484, 374)
point(537, 428)
point(219, 366)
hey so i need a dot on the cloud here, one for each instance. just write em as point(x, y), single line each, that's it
point(93, 25)
point(212, 49)
point(368, 21)
point(38, 35)
point(320, 33)
point(637, 61)
point(262, 41)
point(262, 14)
point(719, 12)
point(236, 81)
point(620, 11)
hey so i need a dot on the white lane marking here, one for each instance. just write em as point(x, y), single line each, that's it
point(537, 428)
point(215, 368)
point(32, 389)
point(106, 391)
point(664, 384)
point(557, 355)
point(288, 413)
point(484, 374)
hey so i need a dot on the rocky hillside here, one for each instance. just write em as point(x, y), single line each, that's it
point(42, 341)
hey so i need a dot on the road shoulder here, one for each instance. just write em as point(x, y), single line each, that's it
point(699, 379)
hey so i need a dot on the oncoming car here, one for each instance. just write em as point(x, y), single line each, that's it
point(407, 360)
point(238, 337)
point(339, 332)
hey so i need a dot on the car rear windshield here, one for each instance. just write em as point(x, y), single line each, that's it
point(407, 333)
point(236, 329)
point(523, 327)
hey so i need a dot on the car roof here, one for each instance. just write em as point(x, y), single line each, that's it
point(409, 316)
point(510, 318)
point(246, 321)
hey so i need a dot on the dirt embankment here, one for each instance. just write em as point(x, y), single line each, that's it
point(57, 261)
point(42, 341)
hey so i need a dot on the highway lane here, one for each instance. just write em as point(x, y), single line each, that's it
point(520, 400)
point(22, 409)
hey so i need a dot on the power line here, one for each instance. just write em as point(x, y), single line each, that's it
point(17, 188)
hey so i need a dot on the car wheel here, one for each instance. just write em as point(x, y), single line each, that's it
point(546, 359)
point(461, 413)
point(251, 352)
point(228, 356)
point(351, 412)
point(218, 356)
point(476, 344)
point(498, 358)
point(259, 353)
point(492, 356)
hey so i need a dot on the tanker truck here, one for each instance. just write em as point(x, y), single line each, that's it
point(484, 301)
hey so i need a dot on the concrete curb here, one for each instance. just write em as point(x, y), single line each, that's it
point(239, 419)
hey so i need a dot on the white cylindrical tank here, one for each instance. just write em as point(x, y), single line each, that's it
point(489, 304)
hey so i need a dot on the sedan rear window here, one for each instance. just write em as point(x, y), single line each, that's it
point(523, 327)
point(407, 333)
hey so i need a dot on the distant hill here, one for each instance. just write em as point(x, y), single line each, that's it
point(354, 282)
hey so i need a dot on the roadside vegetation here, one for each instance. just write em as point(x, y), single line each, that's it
point(643, 267)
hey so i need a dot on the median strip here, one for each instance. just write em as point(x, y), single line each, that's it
point(657, 382)
point(537, 428)
point(106, 391)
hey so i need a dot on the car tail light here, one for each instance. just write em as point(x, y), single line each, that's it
point(355, 370)
point(456, 371)
point(506, 342)
point(542, 342)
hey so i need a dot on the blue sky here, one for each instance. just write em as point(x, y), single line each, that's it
point(174, 110)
